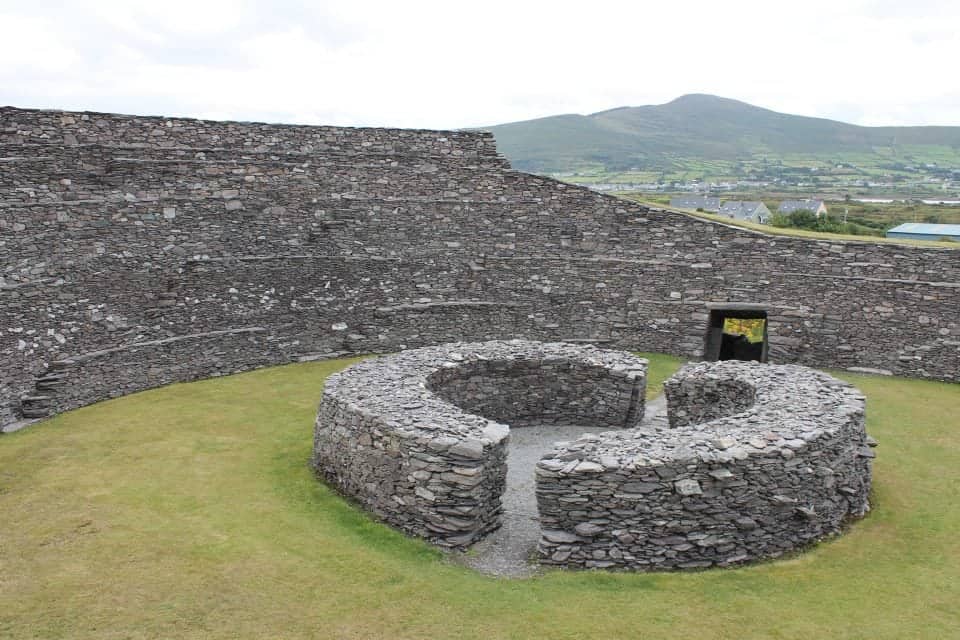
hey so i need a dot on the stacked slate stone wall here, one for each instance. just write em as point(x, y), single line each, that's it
point(408, 435)
point(118, 230)
point(537, 390)
point(67, 384)
point(694, 401)
point(783, 460)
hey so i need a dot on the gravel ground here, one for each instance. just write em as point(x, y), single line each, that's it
point(509, 552)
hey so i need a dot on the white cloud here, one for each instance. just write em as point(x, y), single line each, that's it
point(26, 46)
point(448, 64)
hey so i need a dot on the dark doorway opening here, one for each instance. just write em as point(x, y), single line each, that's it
point(736, 334)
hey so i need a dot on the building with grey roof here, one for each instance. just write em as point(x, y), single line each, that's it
point(696, 202)
point(748, 211)
point(925, 231)
point(788, 207)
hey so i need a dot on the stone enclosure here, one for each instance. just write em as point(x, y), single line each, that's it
point(758, 459)
point(419, 437)
point(139, 251)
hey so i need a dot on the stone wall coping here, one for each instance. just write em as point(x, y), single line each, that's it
point(123, 117)
point(92, 355)
point(395, 389)
point(793, 406)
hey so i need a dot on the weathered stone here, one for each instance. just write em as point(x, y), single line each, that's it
point(588, 529)
point(724, 443)
point(426, 494)
point(640, 487)
point(560, 537)
point(687, 487)
point(468, 449)
point(588, 467)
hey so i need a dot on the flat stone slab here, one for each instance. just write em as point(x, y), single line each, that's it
point(17, 426)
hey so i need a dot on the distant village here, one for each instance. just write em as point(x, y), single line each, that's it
point(757, 212)
point(920, 180)
point(746, 210)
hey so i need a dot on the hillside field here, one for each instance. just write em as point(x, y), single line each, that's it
point(704, 139)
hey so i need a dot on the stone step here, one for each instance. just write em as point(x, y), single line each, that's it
point(49, 377)
point(17, 426)
point(35, 399)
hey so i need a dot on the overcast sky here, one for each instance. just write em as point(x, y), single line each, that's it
point(453, 64)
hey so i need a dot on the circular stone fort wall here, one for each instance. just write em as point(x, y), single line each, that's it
point(758, 459)
point(141, 251)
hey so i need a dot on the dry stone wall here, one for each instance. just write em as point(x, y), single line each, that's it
point(759, 460)
point(419, 438)
point(67, 384)
point(119, 231)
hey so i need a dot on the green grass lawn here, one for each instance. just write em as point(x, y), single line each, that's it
point(661, 367)
point(189, 512)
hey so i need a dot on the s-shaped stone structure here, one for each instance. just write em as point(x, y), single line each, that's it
point(758, 459)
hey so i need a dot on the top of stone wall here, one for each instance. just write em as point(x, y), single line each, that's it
point(773, 408)
point(68, 128)
point(395, 389)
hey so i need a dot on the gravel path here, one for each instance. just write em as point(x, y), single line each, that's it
point(509, 551)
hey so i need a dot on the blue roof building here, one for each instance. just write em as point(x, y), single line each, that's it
point(925, 231)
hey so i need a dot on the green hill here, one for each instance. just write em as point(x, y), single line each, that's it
point(708, 128)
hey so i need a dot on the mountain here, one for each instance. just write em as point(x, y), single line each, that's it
point(699, 126)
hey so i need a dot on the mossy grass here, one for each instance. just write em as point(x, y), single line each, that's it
point(190, 512)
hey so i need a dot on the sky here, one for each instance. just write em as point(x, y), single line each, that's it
point(449, 64)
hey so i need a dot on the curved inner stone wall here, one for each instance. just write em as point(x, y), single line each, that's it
point(783, 460)
point(692, 400)
point(543, 388)
point(401, 434)
point(137, 251)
